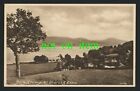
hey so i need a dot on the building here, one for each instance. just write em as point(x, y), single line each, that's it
point(111, 61)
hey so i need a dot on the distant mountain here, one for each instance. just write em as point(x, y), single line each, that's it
point(76, 41)
point(111, 41)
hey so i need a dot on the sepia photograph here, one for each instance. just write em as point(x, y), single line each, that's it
point(69, 45)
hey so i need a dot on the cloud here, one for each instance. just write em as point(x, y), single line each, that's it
point(91, 22)
point(115, 15)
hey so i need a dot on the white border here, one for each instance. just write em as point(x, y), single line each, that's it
point(134, 46)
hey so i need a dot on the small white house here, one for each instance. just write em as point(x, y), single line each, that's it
point(90, 65)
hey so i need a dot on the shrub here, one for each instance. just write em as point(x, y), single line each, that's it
point(41, 59)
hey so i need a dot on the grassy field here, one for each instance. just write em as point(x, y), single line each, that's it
point(29, 69)
point(39, 73)
point(84, 77)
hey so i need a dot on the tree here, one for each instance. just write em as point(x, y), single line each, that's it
point(41, 59)
point(23, 32)
point(78, 61)
point(68, 59)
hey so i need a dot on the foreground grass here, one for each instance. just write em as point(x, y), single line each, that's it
point(38, 74)
point(28, 69)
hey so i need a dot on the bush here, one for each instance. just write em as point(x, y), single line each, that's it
point(41, 59)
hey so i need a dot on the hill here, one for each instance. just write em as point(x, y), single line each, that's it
point(76, 41)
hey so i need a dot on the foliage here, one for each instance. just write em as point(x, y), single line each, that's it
point(23, 31)
point(41, 59)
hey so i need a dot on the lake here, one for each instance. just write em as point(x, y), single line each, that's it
point(50, 53)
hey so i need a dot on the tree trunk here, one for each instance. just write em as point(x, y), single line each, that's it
point(17, 65)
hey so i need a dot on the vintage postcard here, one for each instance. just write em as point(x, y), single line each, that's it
point(70, 45)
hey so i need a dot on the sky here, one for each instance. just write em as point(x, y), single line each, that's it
point(93, 22)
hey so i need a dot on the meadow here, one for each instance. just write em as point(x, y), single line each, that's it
point(39, 73)
point(28, 69)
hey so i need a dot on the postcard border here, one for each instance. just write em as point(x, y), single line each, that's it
point(134, 48)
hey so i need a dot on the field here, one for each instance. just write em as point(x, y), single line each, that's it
point(39, 73)
point(28, 69)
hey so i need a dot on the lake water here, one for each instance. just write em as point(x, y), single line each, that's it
point(50, 53)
